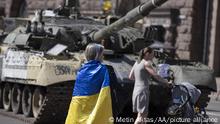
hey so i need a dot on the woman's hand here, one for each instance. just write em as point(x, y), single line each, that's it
point(154, 74)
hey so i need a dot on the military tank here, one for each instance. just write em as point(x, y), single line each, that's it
point(39, 64)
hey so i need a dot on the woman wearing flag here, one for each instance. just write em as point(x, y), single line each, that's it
point(141, 72)
point(91, 101)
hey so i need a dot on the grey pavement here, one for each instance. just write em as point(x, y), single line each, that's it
point(7, 120)
point(213, 109)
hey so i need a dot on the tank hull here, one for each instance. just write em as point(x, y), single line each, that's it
point(58, 95)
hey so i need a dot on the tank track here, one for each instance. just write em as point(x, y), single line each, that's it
point(54, 108)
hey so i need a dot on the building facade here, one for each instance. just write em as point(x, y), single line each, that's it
point(196, 32)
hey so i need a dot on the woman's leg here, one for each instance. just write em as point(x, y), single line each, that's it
point(141, 118)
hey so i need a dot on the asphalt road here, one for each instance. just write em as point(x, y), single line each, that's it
point(7, 120)
point(213, 109)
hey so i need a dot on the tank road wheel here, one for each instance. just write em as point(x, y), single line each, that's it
point(37, 101)
point(16, 99)
point(27, 101)
point(7, 97)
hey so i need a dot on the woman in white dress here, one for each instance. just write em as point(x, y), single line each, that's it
point(141, 72)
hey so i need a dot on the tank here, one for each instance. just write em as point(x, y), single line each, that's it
point(39, 62)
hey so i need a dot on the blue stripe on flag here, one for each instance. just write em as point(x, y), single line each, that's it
point(91, 78)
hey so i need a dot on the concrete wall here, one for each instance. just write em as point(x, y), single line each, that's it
point(214, 57)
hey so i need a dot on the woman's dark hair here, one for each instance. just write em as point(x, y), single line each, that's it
point(143, 52)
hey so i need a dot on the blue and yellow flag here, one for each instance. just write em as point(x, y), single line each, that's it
point(91, 102)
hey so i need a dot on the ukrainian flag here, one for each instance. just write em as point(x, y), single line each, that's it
point(91, 102)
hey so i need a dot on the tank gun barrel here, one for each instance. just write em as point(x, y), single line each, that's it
point(129, 19)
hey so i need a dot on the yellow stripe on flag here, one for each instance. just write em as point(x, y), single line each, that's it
point(95, 109)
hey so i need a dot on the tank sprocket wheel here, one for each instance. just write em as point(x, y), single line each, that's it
point(37, 100)
point(7, 97)
point(27, 101)
point(16, 98)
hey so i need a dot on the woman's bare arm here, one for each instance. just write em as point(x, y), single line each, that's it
point(153, 73)
point(131, 75)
